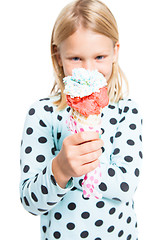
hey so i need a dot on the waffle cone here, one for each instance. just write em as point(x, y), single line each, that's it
point(80, 123)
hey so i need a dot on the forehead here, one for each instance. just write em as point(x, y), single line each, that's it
point(86, 40)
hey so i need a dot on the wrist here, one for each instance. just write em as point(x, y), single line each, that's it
point(59, 176)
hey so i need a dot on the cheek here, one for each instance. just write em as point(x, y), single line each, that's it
point(107, 71)
point(67, 68)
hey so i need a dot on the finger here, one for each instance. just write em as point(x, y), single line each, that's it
point(90, 157)
point(90, 166)
point(79, 138)
point(89, 147)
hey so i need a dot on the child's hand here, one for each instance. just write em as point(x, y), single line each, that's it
point(79, 155)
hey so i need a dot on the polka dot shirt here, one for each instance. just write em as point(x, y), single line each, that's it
point(65, 213)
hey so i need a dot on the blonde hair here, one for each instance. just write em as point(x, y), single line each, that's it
point(93, 15)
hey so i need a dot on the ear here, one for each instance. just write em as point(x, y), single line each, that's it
point(116, 52)
point(58, 56)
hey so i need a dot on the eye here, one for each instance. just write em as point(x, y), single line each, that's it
point(76, 59)
point(100, 57)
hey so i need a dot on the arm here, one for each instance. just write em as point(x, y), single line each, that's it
point(120, 174)
point(45, 171)
point(38, 188)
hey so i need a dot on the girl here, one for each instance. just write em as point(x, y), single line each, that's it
point(53, 162)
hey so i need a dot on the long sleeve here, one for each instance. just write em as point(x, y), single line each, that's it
point(120, 172)
point(38, 188)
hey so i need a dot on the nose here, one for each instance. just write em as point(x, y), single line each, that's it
point(88, 65)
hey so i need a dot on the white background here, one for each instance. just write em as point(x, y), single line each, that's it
point(26, 75)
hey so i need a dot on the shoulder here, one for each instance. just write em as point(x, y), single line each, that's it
point(129, 110)
point(42, 109)
point(128, 105)
point(43, 106)
point(46, 109)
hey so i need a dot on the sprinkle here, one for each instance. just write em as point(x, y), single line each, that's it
point(83, 82)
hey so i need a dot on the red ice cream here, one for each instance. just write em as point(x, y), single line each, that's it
point(89, 105)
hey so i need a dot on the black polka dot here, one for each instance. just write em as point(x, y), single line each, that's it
point(53, 180)
point(136, 172)
point(111, 172)
point(102, 129)
point(58, 135)
point(44, 99)
point(58, 215)
point(128, 158)
point(44, 170)
point(116, 151)
point(51, 203)
point(111, 106)
point(42, 140)
point(130, 142)
point(103, 186)
point(80, 182)
point(57, 235)
point(26, 168)
point(110, 229)
point(44, 189)
point(103, 149)
point(70, 226)
point(134, 110)
point(132, 126)
point(42, 210)
point(36, 177)
point(140, 154)
point(126, 109)
point(29, 131)
point(42, 123)
point(34, 197)
point(85, 215)
point(61, 195)
point(40, 158)
point(140, 137)
point(28, 150)
point(124, 187)
point(123, 169)
point(31, 111)
point(26, 201)
point(129, 237)
point(116, 199)
point(68, 109)
point(122, 120)
point(120, 233)
point(98, 223)
point(128, 219)
point(44, 228)
point(98, 238)
point(84, 234)
point(111, 139)
point(120, 110)
point(71, 206)
point(118, 134)
point(100, 204)
point(59, 117)
point(85, 198)
point(48, 109)
point(113, 121)
point(120, 215)
point(102, 115)
point(112, 211)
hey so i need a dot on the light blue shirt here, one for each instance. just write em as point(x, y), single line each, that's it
point(65, 213)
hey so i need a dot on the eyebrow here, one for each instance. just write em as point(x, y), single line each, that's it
point(102, 52)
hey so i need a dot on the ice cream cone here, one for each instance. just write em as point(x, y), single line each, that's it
point(87, 95)
point(80, 123)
